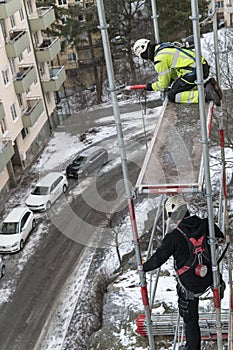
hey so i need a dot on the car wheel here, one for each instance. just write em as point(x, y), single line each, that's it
point(33, 223)
point(48, 205)
point(64, 189)
point(21, 244)
point(3, 271)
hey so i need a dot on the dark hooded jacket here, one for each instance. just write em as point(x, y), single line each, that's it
point(174, 244)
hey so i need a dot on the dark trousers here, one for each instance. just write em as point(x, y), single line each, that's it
point(186, 83)
point(189, 311)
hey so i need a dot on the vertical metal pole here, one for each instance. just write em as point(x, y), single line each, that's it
point(215, 34)
point(205, 148)
point(155, 21)
point(112, 88)
point(225, 218)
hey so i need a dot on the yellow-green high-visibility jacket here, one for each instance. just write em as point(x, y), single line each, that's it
point(171, 63)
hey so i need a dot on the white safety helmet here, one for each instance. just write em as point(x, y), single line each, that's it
point(140, 46)
point(173, 203)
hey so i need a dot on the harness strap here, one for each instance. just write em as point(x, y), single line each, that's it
point(182, 270)
point(188, 294)
point(170, 45)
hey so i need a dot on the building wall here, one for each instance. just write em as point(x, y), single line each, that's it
point(228, 12)
point(26, 131)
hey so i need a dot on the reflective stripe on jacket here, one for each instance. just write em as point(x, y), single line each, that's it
point(171, 63)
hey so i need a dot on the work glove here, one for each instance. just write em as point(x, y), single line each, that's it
point(148, 87)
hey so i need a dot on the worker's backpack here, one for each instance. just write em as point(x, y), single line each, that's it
point(199, 260)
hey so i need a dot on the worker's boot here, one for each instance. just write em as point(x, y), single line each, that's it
point(211, 94)
point(216, 87)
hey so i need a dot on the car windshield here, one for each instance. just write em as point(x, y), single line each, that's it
point(9, 228)
point(79, 160)
point(40, 190)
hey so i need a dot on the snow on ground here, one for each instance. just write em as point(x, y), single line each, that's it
point(54, 156)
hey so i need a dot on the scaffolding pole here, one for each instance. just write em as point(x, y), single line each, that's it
point(155, 17)
point(205, 147)
point(215, 37)
point(112, 88)
point(225, 218)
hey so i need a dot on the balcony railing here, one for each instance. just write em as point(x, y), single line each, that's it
point(2, 112)
point(44, 17)
point(19, 41)
point(48, 50)
point(33, 112)
point(229, 8)
point(24, 79)
point(57, 78)
point(6, 152)
point(8, 8)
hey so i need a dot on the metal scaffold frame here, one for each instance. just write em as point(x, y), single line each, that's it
point(147, 319)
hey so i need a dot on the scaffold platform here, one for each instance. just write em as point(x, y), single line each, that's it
point(166, 325)
point(173, 163)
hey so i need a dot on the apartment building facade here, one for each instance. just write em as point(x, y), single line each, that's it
point(28, 83)
point(228, 13)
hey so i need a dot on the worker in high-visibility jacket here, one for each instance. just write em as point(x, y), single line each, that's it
point(176, 68)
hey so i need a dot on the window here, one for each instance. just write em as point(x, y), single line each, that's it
point(3, 26)
point(29, 50)
point(12, 65)
point(20, 57)
point(13, 112)
point(36, 39)
point(21, 14)
point(42, 69)
point(20, 100)
point(220, 4)
point(72, 57)
point(24, 133)
point(29, 6)
point(24, 219)
point(48, 97)
point(64, 19)
point(5, 75)
point(56, 183)
point(28, 92)
point(3, 126)
point(62, 2)
point(12, 20)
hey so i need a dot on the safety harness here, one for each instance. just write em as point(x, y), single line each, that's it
point(174, 45)
point(198, 253)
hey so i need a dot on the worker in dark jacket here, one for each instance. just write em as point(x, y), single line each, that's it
point(191, 282)
point(176, 68)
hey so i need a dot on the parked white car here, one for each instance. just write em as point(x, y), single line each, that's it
point(47, 191)
point(15, 229)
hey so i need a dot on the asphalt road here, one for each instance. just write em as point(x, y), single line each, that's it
point(23, 319)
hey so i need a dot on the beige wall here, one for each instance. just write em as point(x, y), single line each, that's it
point(36, 136)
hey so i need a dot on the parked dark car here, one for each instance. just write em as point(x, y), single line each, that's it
point(87, 161)
point(2, 267)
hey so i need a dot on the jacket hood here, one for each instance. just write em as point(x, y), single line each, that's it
point(193, 226)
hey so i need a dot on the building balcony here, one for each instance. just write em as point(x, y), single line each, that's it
point(43, 19)
point(24, 79)
point(33, 112)
point(2, 112)
point(57, 78)
point(6, 152)
point(228, 8)
point(8, 8)
point(48, 50)
point(18, 42)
